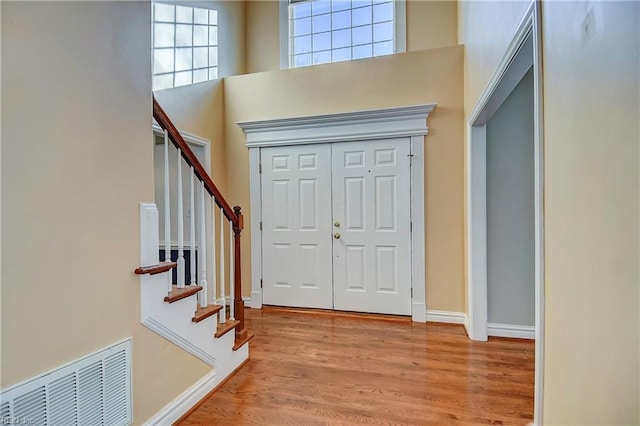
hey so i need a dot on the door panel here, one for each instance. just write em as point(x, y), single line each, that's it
point(359, 190)
point(296, 239)
point(372, 257)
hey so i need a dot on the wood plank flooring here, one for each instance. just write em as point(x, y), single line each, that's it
point(322, 368)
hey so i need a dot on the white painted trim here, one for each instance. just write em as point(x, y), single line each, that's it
point(418, 311)
point(194, 140)
point(176, 338)
point(448, 317)
point(340, 127)
point(190, 138)
point(520, 36)
point(517, 68)
point(477, 231)
point(400, 24)
point(408, 121)
point(512, 331)
point(530, 24)
point(245, 299)
point(174, 245)
point(417, 230)
point(466, 325)
point(187, 399)
point(539, 212)
point(255, 202)
point(149, 244)
point(284, 34)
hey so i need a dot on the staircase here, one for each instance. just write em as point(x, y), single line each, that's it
point(194, 312)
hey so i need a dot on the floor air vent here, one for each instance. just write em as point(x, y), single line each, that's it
point(94, 390)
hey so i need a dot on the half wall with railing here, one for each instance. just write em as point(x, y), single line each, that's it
point(210, 237)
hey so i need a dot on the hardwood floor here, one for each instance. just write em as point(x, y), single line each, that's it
point(322, 368)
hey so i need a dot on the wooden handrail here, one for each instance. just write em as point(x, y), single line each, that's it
point(233, 215)
point(174, 135)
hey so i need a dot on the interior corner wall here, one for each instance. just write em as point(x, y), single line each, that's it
point(76, 163)
point(485, 28)
point(592, 162)
point(430, 24)
point(199, 109)
point(392, 81)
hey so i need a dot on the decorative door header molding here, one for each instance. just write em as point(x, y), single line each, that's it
point(340, 127)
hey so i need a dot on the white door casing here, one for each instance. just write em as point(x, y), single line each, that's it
point(372, 237)
point(296, 238)
point(409, 121)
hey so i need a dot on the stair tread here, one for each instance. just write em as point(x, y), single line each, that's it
point(180, 293)
point(203, 313)
point(156, 269)
point(240, 343)
point(226, 327)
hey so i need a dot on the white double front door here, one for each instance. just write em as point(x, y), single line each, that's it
point(337, 226)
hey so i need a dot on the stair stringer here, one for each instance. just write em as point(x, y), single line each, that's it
point(173, 320)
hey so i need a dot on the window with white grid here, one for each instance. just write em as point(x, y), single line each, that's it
point(185, 45)
point(322, 31)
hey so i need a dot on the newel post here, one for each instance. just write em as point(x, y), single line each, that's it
point(238, 303)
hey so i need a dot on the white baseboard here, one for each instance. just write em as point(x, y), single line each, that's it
point(449, 317)
point(175, 409)
point(513, 331)
point(256, 299)
point(467, 326)
point(246, 299)
point(418, 312)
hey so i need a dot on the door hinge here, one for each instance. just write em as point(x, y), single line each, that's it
point(260, 168)
point(261, 283)
point(412, 293)
point(261, 225)
point(410, 227)
point(410, 158)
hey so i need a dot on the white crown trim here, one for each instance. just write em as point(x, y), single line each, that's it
point(340, 127)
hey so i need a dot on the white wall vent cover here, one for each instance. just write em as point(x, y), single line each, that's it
point(93, 390)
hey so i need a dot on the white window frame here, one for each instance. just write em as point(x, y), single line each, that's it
point(400, 26)
point(193, 24)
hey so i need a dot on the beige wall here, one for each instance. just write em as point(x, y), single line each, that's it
point(430, 25)
point(199, 109)
point(76, 163)
point(591, 213)
point(399, 80)
point(263, 35)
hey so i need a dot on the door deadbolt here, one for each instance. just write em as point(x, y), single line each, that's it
point(336, 224)
point(336, 235)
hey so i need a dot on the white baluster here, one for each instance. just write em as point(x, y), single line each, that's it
point(180, 270)
point(202, 252)
point(192, 234)
point(167, 208)
point(231, 273)
point(223, 317)
point(214, 278)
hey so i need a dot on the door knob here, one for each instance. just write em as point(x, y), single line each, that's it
point(336, 224)
point(336, 235)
